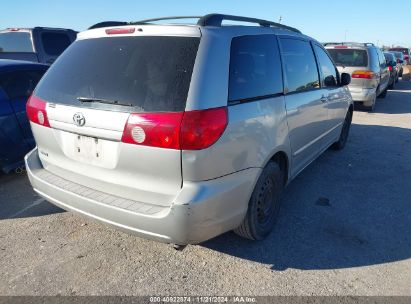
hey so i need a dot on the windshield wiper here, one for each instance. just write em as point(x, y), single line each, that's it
point(100, 100)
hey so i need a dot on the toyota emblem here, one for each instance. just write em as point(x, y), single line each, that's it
point(79, 119)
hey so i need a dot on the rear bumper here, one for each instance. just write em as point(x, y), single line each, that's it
point(200, 211)
point(365, 96)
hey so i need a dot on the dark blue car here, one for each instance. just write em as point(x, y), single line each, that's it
point(17, 81)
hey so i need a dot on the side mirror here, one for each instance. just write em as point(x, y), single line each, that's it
point(345, 79)
point(330, 81)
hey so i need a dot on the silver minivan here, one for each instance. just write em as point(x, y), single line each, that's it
point(368, 68)
point(179, 133)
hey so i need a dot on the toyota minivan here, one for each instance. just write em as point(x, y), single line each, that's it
point(368, 68)
point(179, 133)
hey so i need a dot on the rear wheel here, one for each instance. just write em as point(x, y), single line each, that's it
point(370, 108)
point(264, 204)
point(340, 144)
point(383, 94)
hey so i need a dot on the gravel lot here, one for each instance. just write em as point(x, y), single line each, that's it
point(344, 229)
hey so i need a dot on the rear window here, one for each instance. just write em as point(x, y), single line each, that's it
point(55, 43)
point(349, 57)
point(20, 84)
point(16, 42)
point(150, 74)
point(405, 51)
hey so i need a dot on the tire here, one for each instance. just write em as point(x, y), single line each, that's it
point(264, 204)
point(340, 144)
point(383, 94)
point(370, 108)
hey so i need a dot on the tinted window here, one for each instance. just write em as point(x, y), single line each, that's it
point(20, 84)
point(381, 59)
point(389, 57)
point(18, 42)
point(328, 70)
point(255, 67)
point(349, 57)
point(300, 65)
point(148, 73)
point(55, 43)
point(405, 51)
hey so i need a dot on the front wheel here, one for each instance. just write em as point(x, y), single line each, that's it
point(340, 144)
point(264, 204)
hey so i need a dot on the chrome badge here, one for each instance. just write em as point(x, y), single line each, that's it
point(79, 119)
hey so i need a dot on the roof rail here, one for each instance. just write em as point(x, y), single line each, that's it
point(164, 18)
point(217, 20)
point(107, 23)
point(349, 43)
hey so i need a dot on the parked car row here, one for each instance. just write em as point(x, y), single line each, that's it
point(179, 133)
point(373, 71)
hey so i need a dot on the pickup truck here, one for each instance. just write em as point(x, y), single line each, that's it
point(39, 44)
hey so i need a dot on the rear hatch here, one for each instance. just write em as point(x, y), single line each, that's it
point(354, 61)
point(91, 96)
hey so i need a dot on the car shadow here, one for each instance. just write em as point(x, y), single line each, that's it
point(398, 100)
point(18, 200)
point(347, 209)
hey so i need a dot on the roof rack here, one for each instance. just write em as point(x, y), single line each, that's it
point(349, 43)
point(217, 20)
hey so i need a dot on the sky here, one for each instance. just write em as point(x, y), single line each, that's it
point(325, 20)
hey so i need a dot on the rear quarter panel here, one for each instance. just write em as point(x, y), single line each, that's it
point(255, 132)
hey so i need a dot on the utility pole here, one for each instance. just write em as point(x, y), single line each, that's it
point(281, 19)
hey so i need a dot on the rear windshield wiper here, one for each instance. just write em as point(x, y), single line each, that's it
point(106, 101)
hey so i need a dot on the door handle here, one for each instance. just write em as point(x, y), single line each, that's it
point(324, 99)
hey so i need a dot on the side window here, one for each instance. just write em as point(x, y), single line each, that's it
point(20, 84)
point(328, 70)
point(375, 62)
point(55, 43)
point(300, 65)
point(255, 68)
point(381, 59)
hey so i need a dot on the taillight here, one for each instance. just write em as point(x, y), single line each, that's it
point(201, 129)
point(363, 74)
point(154, 129)
point(390, 68)
point(36, 111)
point(118, 31)
point(191, 130)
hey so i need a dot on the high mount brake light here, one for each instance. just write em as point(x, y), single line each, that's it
point(191, 130)
point(36, 111)
point(119, 31)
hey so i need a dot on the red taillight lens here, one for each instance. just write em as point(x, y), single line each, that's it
point(118, 31)
point(363, 74)
point(201, 129)
point(154, 129)
point(36, 111)
point(390, 68)
point(192, 130)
